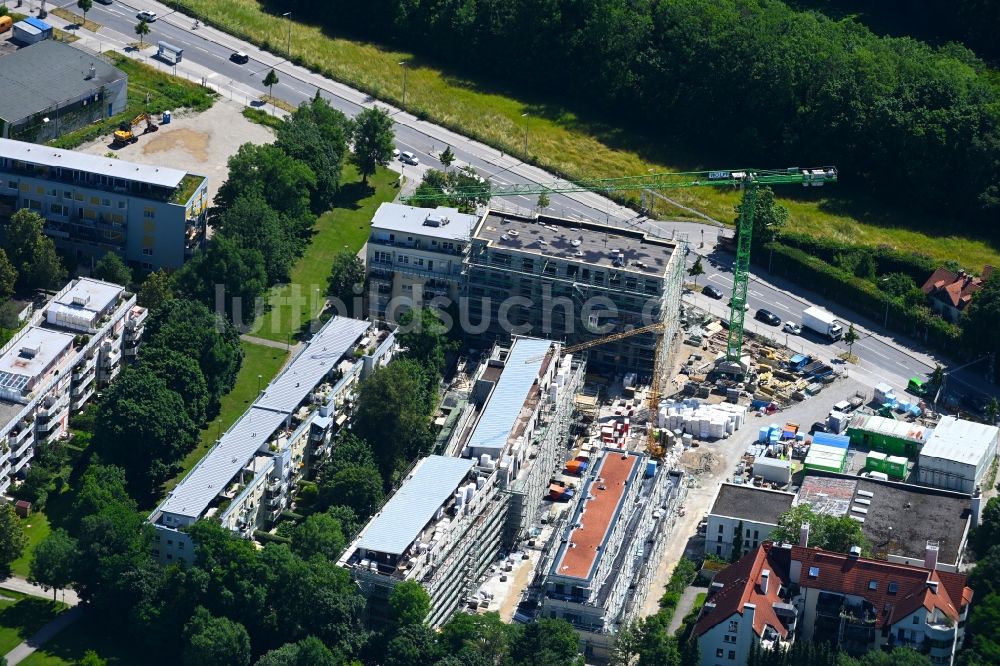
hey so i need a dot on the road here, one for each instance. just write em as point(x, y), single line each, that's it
point(206, 57)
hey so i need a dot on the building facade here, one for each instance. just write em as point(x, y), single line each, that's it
point(245, 479)
point(742, 518)
point(566, 279)
point(415, 255)
point(958, 454)
point(152, 217)
point(53, 366)
point(781, 593)
point(60, 89)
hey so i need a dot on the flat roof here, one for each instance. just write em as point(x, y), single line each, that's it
point(322, 353)
point(30, 355)
point(597, 514)
point(34, 153)
point(589, 243)
point(913, 432)
point(508, 397)
point(900, 517)
point(283, 395)
point(48, 74)
point(405, 515)
point(440, 222)
point(90, 294)
point(961, 441)
point(744, 502)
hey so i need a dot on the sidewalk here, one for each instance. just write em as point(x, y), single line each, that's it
point(18, 584)
point(25, 649)
point(684, 607)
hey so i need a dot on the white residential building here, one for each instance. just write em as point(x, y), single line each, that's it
point(245, 479)
point(414, 255)
point(54, 364)
point(745, 516)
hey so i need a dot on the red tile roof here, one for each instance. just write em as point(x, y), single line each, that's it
point(834, 572)
point(741, 585)
point(955, 289)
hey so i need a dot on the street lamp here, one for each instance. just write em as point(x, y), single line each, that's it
point(288, 48)
point(525, 116)
point(885, 324)
point(402, 63)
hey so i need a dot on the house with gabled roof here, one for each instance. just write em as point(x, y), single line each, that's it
point(950, 292)
point(781, 593)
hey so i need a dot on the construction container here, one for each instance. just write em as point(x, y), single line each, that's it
point(832, 440)
point(822, 457)
point(773, 470)
point(875, 461)
point(895, 467)
point(650, 469)
point(838, 421)
point(576, 467)
point(895, 438)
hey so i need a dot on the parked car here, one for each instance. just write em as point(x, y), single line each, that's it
point(819, 426)
point(712, 292)
point(767, 317)
point(406, 157)
point(239, 57)
point(792, 327)
point(148, 17)
point(395, 153)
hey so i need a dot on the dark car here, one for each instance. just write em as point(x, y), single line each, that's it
point(819, 426)
point(767, 317)
point(240, 57)
point(712, 292)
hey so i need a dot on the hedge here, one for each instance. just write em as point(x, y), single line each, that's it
point(860, 295)
point(887, 259)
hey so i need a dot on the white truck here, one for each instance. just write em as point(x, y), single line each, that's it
point(822, 322)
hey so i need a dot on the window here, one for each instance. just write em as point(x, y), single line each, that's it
point(893, 587)
point(748, 532)
point(732, 654)
point(720, 529)
point(95, 201)
point(146, 266)
point(813, 572)
point(12, 184)
point(734, 626)
point(719, 652)
point(170, 542)
point(718, 550)
point(916, 619)
point(756, 535)
point(121, 204)
point(67, 195)
point(736, 531)
point(147, 252)
point(873, 584)
point(78, 196)
point(719, 539)
point(180, 545)
point(105, 202)
point(149, 213)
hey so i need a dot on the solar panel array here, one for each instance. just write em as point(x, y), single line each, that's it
point(12, 381)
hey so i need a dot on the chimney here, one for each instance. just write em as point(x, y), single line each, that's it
point(932, 585)
point(931, 556)
point(804, 535)
point(855, 552)
point(977, 506)
point(764, 576)
point(749, 610)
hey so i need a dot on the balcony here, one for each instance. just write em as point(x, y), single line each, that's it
point(81, 387)
point(130, 351)
point(20, 433)
point(111, 357)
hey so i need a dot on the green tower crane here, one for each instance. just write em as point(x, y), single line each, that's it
point(748, 180)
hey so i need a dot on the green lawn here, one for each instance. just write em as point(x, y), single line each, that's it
point(21, 616)
point(36, 527)
point(563, 142)
point(345, 226)
point(164, 91)
point(257, 360)
point(87, 633)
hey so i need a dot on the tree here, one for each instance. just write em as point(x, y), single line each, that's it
point(12, 538)
point(982, 319)
point(215, 641)
point(310, 651)
point(85, 6)
point(321, 148)
point(143, 426)
point(447, 158)
point(543, 201)
point(424, 338)
point(319, 534)
point(769, 216)
point(156, 290)
point(238, 270)
point(897, 284)
point(8, 277)
point(626, 647)
point(182, 375)
point(412, 644)
point(937, 376)
point(355, 486)
point(485, 634)
point(850, 338)
point(409, 603)
point(696, 270)
point(837, 534)
point(374, 141)
point(270, 81)
point(4, 11)
point(349, 449)
point(142, 29)
point(32, 253)
point(992, 410)
point(463, 188)
point(346, 276)
point(53, 562)
point(987, 534)
point(545, 642)
point(111, 268)
point(91, 658)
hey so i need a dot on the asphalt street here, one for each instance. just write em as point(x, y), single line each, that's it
point(207, 52)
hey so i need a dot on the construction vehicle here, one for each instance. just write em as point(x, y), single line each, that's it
point(125, 133)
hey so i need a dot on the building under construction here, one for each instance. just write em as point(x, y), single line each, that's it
point(454, 514)
point(575, 281)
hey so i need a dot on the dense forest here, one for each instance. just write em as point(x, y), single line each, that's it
point(741, 81)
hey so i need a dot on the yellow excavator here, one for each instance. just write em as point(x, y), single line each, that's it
point(125, 133)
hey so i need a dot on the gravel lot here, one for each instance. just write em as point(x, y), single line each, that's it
point(197, 142)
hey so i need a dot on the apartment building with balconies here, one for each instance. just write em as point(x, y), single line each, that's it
point(576, 281)
point(245, 479)
point(781, 593)
point(415, 255)
point(152, 217)
point(54, 365)
point(610, 547)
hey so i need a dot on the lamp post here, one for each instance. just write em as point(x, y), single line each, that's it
point(525, 116)
point(402, 63)
point(885, 323)
point(288, 48)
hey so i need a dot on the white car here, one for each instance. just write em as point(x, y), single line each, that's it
point(395, 153)
point(406, 157)
point(148, 17)
point(792, 327)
